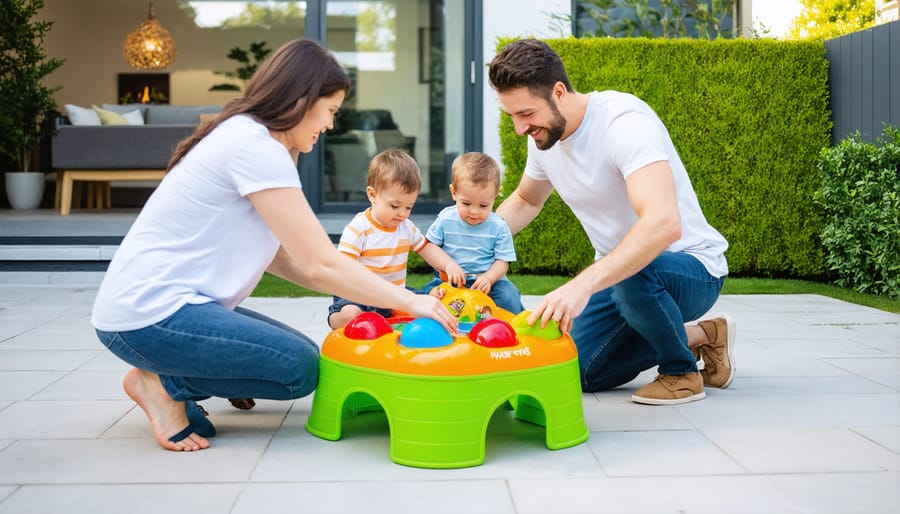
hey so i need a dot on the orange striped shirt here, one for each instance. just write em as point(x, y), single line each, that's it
point(382, 250)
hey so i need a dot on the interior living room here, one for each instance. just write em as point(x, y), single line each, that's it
point(418, 72)
point(394, 51)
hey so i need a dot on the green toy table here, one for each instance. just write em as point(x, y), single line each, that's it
point(439, 401)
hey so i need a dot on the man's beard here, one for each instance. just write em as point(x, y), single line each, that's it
point(554, 129)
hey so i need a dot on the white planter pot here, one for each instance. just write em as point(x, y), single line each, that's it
point(25, 189)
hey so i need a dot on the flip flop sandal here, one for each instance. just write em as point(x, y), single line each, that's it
point(180, 436)
point(242, 403)
point(197, 416)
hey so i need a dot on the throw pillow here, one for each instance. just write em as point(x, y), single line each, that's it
point(82, 116)
point(109, 117)
point(123, 108)
point(178, 114)
point(133, 117)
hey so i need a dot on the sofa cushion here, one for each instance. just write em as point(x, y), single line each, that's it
point(110, 117)
point(123, 108)
point(82, 115)
point(134, 117)
point(121, 147)
point(177, 114)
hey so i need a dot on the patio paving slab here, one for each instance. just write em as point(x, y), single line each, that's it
point(810, 425)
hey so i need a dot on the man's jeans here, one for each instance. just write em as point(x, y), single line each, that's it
point(207, 350)
point(503, 292)
point(639, 323)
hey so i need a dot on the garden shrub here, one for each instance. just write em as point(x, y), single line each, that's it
point(860, 197)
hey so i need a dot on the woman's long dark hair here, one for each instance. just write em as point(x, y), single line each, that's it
point(278, 95)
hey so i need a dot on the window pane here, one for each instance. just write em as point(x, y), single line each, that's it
point(238, 35)
point(393, 50)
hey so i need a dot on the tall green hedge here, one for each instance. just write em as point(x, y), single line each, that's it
point(748, 117)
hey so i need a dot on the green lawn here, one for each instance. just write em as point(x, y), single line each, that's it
point(271, 286)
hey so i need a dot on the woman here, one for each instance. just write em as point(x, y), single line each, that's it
point(230, 208)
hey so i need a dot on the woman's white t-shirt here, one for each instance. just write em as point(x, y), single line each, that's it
point(198, 239)
point(619, 135)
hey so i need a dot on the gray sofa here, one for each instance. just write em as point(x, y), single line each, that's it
point(112, 153)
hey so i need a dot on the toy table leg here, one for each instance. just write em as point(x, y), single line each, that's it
point(440, 422)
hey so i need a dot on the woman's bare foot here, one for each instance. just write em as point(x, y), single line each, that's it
point(167, 417)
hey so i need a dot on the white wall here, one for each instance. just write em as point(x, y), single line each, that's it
point(515, 18)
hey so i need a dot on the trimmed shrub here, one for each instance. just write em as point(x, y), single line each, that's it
point(860, 197)
point(748, 117)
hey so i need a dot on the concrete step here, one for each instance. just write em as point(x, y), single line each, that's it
point(52, 243)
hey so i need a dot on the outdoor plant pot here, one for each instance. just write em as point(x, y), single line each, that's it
point(24, 189)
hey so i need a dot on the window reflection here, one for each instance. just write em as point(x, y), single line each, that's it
point(235, 14)
point(363, 35)
point(381, 45)
point(213, 72)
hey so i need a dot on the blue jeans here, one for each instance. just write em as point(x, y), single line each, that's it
point(207, 350)
point(503, 292)
point(639, 322)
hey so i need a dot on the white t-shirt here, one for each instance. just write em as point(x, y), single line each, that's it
point(198, 239)
point(619, 135)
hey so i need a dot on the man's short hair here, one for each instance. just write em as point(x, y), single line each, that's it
point(528, 63)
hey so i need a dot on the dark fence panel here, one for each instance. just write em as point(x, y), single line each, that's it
point(864, 79)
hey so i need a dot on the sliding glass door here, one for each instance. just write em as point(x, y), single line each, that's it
point(402, 60)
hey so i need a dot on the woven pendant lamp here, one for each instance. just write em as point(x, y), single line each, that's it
point(150, 47)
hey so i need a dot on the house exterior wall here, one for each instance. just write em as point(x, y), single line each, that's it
point(514, 18)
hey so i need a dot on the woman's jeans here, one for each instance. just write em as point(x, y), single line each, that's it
point(503, 292)
point(207, 350)
point(639, 323)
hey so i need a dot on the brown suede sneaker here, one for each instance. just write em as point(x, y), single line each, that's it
point(718, 354)
point(671, 390)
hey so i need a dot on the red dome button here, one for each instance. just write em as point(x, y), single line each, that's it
point(493, 333)
point(367, 326)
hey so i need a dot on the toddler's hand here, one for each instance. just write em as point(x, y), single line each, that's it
point(455, 275)
point(482, 284)
point(437, 292)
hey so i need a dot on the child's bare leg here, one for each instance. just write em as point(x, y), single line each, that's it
point(342, 317)
point(167, 417)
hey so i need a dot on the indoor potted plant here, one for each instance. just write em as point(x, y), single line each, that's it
point(25, 102)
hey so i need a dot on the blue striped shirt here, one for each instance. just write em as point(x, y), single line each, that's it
point(473, 247)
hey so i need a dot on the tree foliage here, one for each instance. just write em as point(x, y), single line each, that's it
point(827, 19)
point(278, 14)
point(377, 27)
point(700, 19)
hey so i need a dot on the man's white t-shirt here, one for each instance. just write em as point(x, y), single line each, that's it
point(198, 239)
point(619, 135)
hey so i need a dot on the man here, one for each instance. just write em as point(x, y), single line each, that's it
point(658, 264)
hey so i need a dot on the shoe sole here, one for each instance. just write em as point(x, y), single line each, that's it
point(675, 401)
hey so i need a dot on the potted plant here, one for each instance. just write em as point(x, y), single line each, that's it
point(25, 102)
